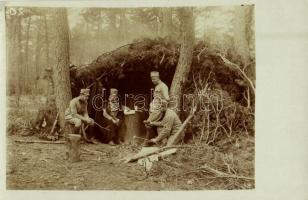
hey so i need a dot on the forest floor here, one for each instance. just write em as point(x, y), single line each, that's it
point(44, 166)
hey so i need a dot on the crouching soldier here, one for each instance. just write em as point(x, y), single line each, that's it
point(77, 112)
point(167, 127)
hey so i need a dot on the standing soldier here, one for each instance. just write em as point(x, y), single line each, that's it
point(160, 97)
point(77, 112)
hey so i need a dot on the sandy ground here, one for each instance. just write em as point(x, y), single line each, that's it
point(34, 166)
point(44, 166)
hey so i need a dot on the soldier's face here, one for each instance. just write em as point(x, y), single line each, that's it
point(155, 79)
point(84, 97)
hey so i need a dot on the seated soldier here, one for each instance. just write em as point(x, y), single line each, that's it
point(167, 127)
point(112, 119)
point(77, 112)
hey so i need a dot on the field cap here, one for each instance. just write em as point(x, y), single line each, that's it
point(154, 73)
point(85, 92)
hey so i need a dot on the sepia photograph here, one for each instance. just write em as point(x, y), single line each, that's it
point(130, 98)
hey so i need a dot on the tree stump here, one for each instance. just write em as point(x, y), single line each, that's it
point(73, 147)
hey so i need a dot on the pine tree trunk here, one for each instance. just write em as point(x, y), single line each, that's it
point(241, 35)
point(10, 43)
point(26, 67)
point(123, 27)
point(46, 41)
point(19, 59)
point(185, 59)
point(251, 31)
point(113, 29)
point(37, 54)
point(99, 34)
point(166, 14)
point(61, 78)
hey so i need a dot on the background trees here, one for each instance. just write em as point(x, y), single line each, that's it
point(93, 31)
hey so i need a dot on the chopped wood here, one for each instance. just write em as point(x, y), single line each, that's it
point(73, 147)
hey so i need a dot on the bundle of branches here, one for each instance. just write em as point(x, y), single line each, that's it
point(141, 56)
point(223, 87)
point(221, 79)
point(220, 116)
point(162, 55)
point(225, 71)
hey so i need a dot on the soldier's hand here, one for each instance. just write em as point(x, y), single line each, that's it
point(116, 121)
point(151, 124)
point(91, 122)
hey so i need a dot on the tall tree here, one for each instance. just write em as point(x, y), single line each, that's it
point(123, 26)
point(113, 31)
point(26, 66)
point(185, 59)
point(242, 26)
point(46, 40)
point(61, 77)
point(251, 30)
point(19, 57)
point(10, 45)
point(166, 21)
point(37, 51)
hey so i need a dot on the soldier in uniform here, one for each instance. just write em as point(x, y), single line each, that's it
point(112, 119)
point(167, 127)
point(77, 112)
point(160, 97)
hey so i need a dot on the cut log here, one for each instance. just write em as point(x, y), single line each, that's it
point(73, 147)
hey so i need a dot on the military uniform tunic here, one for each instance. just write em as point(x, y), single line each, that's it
point(168, 126)
point(160, 97)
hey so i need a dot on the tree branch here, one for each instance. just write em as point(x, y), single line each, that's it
point(228, 62)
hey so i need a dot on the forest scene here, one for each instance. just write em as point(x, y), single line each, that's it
point(204, 61)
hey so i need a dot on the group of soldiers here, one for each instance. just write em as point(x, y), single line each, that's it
point(161, 124)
